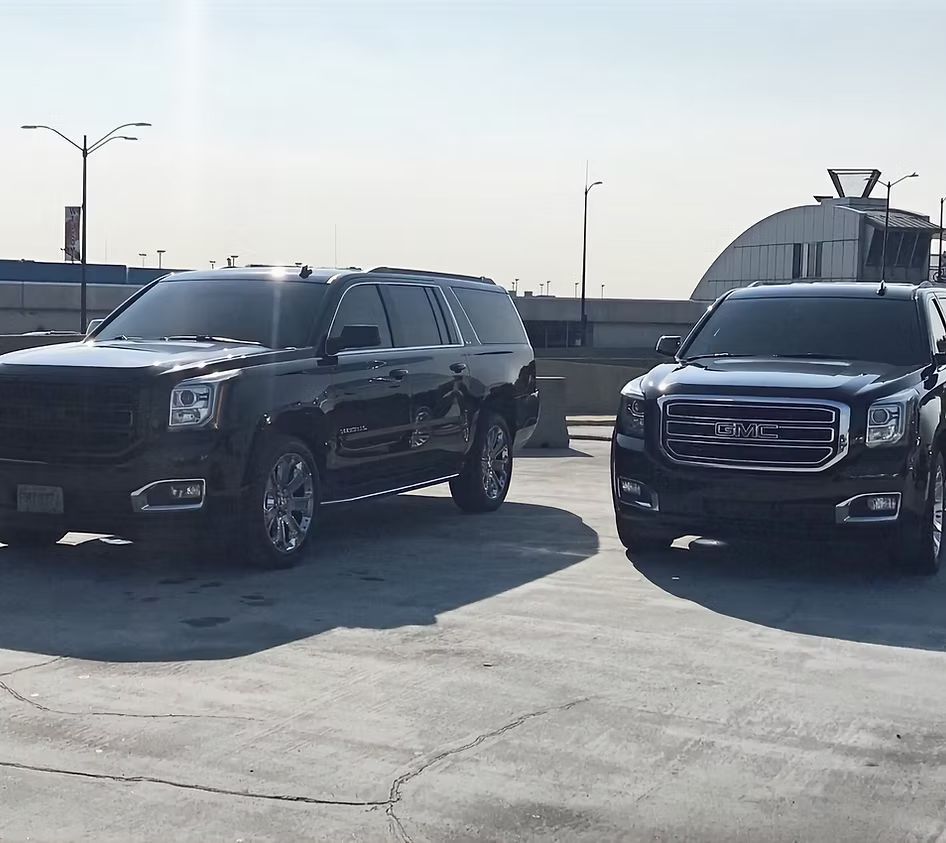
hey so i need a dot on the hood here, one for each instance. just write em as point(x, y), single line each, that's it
point(827, 379)
point(129, 355)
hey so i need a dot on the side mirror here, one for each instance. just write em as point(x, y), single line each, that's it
point(669, 346)
point(93, 325)
point(352, 337)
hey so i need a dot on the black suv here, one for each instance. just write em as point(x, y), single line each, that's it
point(813, 409)
point(239, 402)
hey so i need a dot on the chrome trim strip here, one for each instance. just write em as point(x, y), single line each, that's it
point(842, 510)
point(843, 419)
point(398, 491)
point(139, 495)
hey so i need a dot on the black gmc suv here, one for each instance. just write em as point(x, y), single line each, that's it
point(812, 409)
point(236, 404)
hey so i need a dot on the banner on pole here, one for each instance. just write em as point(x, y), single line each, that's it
point(73, 217)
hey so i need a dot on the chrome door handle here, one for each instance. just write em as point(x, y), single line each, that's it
point(458, 368)
point(398, 374)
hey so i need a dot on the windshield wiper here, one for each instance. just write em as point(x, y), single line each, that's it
point(805, 355)
point(211, 338)
point(718, 354)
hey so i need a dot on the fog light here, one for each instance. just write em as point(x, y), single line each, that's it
point(630, 489)
point(186, 491)
point(882, 503)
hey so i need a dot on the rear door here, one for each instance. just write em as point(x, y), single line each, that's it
point(424, 330)
point(369, 419)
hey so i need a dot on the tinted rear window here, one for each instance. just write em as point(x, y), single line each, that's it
point(877, 329)
point(493, 316)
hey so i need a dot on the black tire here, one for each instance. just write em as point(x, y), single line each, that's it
point(484, 482)
point(24, 537)
point(637, 540)
point(269, 512)
point(914, 550)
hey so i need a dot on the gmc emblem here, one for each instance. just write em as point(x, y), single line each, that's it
point(741, 430)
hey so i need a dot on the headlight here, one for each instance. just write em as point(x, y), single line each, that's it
point(631, 412)
point(194, 403)
point(887, 419)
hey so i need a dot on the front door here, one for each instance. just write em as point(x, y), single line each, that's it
point(369, 406)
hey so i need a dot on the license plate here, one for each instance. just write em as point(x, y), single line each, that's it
point(43, 499)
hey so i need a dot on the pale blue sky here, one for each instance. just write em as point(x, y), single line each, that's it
point(453, 135)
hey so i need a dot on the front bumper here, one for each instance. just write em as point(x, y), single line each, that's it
point(722, 503)
point(127, 498)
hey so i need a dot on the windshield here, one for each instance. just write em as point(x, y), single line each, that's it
point(276, 314)
point(876, 329)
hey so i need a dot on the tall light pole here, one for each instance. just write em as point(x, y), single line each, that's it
point(602, 291)
point(576, 288)
point(939, 274)
point(212, 263)
point(883, 259)
point(142, 255)
point(86, 150)
point(584, 254)
point(160, 253)
point(548, 288)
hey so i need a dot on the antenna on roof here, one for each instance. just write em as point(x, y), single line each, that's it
point(305, 272)
point(882, 289)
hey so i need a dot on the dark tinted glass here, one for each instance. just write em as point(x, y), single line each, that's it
point(493, 316)
point(936, 326)
point(361, 305)
point(277, 314)
point(412, 317)
point(469, 335)
point(876, 329)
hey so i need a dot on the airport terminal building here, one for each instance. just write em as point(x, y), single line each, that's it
point(840, 238)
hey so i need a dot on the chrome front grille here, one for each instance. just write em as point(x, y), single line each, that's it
point(754, 433)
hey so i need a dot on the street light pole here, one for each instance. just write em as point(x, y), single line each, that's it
point(939, 274)
point(160, 256)
point(883, 259)
point(584, 254)
point(86, 150)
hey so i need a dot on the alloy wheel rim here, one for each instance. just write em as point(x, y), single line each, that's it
point(937, 520)
point(288, 502)
point(495, 460)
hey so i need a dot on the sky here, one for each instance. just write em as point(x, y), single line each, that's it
point(454, 135)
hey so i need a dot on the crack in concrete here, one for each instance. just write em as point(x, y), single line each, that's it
point(39, 706)
point(394, 795)
point(217, 791)
point(33, 666)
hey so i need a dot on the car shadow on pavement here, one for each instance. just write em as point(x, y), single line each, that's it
point(398, 562)
point(812, 589)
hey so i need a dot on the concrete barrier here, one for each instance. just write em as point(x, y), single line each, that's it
point(593, 388)
point(551, 430)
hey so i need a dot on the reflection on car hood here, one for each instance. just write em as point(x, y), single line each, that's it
point(128, 354)
point(838, 379)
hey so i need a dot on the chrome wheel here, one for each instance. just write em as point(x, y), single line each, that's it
point(937, 519)
point(288, 502)
point(496, 461)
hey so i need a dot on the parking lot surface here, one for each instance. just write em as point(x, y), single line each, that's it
point(427, 675)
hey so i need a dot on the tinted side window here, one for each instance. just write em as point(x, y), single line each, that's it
point(362, 305)
point(466, 328)
point(493, 316)
point(937, 327)
point(413, 322)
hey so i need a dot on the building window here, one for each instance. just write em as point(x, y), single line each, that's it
point(813, 260)
point(907, 244)
point(921, 254)
point(875, 252)
point(894, 239)
point(796, 260)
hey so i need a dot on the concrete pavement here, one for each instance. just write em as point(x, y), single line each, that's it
point(426, 675)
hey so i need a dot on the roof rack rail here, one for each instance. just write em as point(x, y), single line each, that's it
point(393, 270)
